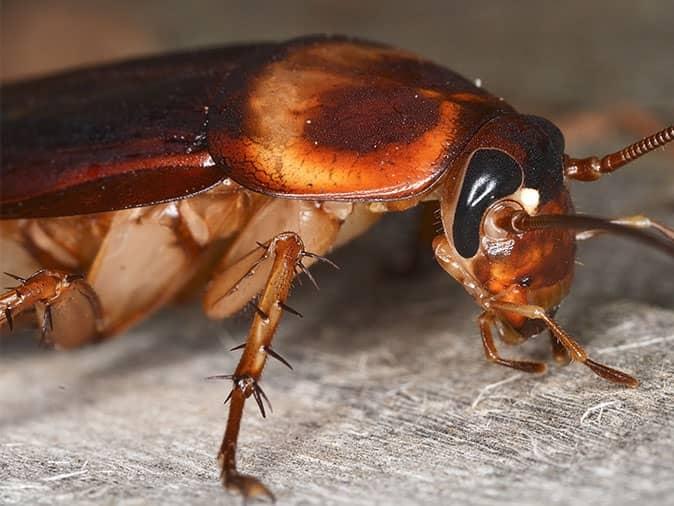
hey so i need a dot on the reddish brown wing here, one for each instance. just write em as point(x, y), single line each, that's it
point(111, 137)
point(332, 118)
point(323, 118)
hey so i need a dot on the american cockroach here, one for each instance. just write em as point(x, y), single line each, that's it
point(244, 165)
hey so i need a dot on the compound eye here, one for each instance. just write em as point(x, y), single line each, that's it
point(491, 175)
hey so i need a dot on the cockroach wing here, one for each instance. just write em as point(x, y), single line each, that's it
point(319, 117)
point(338, 119)
point(111, 137)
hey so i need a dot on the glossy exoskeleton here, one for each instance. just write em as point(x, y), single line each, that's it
point(242, 166)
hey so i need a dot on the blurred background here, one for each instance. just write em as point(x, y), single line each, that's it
point(538, 54)
point(388, 401)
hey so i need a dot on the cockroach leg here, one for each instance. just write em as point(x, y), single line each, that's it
point(247, 274)
point(486, 321)
point(575, 350)
point(508, 334)
point(321, 258)
point(9, 317)
point(42, 291)
point(559, 353)
point(261, 313)
point(14, 276)
point(291, 310)
point(47, 326)
point(301, 268)
point(287, 250)
point(274, 354)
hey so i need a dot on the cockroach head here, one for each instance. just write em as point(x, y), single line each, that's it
point(513, 164)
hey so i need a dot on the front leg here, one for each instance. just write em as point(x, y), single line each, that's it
point(287, 251)
point(573, 348)
point(486, 322)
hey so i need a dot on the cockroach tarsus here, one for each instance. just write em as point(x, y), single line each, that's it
point(240, 167)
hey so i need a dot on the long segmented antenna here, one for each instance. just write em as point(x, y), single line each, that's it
point(592, 168)
point(522, 222)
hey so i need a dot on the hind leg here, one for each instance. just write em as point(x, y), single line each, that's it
point(67, 308)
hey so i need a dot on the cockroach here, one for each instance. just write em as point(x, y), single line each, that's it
point(242, 166)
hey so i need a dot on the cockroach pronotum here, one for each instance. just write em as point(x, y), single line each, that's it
point(247, 164)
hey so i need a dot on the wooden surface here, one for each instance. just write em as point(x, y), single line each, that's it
point(391, 401)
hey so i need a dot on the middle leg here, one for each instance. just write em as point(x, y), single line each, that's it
point(287, 251)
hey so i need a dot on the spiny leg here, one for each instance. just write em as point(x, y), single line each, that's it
point(486, 321)
point(44, 290)
point(288, 251)
point(574, 349)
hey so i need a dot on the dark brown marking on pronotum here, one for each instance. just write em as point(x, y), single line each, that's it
point(370, 118)
point(340, 139)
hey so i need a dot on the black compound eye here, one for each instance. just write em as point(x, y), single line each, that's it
point(491, 175)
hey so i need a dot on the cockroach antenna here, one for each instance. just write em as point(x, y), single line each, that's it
point(634, 228)
point(592, 168)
